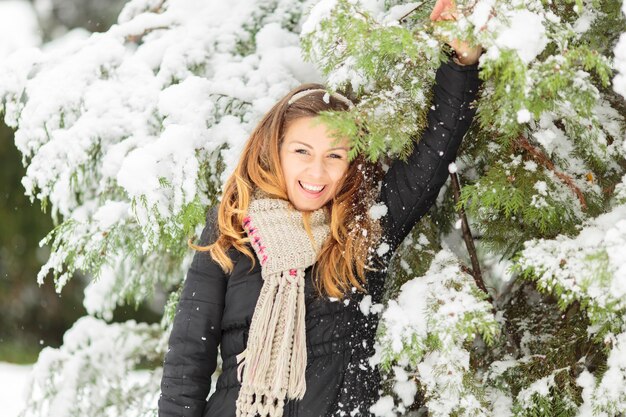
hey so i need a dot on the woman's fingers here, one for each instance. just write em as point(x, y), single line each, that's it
point(446, 10)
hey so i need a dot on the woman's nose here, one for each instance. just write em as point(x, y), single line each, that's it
point(316, 169)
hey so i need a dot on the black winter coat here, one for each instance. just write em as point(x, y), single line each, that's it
point(216, 309)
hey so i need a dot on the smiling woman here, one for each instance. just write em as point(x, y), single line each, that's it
point(292, 235)
point(312, 163)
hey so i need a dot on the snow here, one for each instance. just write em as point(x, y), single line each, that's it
point(382, 249)
point(525, 34)
point(365, 304)
point(111, 352)
point(404, 387)
point(541, 187)
point(619, 82)
point(585, 20)
point(101, 299)
point(398, 11)
point(318, 13)
point(13, 382)
point(523, 116)
point(435, 305)
point(384, 407)
point(19, 27)
point(377, 211)
point(548, 135)
point(612, 387)
point(111, 213)
point(481, 13)
point(530, 165)
point(574, 263)
point(161, 108)
point(539, 387)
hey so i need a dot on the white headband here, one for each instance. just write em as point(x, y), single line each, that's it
point(337, 96)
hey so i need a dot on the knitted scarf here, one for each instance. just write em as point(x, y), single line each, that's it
point(272, 366)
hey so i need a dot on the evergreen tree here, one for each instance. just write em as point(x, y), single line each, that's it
point(127, 137)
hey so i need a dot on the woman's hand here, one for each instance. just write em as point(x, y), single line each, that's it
point(466, 54)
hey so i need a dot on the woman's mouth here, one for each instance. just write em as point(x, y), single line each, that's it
point(311, 190)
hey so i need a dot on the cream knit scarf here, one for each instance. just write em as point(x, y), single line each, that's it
point(273, 365)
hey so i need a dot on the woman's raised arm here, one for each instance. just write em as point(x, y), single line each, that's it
point(192, 355)
point(410, 187)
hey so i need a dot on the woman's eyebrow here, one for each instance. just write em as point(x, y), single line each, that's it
point(310, 147)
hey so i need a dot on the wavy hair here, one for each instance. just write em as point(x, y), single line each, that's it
point(345, 256)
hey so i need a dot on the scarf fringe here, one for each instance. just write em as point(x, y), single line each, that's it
point(280, 363)
point(297, 381)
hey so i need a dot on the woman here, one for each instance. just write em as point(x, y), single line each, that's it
point(291, 252)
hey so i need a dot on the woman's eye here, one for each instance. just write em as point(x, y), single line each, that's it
point(301, 151)
point(335, 155)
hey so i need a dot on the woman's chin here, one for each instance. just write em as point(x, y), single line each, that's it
point(307, 205)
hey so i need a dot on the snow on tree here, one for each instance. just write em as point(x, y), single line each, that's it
point(18, 26)
point(128, 135)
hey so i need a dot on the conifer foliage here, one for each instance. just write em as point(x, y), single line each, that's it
point(128, 135)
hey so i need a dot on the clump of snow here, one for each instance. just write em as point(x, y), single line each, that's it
point(377, 211)
point(384, 407)
point(523, 116)
point(540, 387)
point(541, 187)
point(481, 14)
point(318, 13)
point(530, 166)
point(365, 304)
point(585, 20)
point(382, 249)
point(100, 295)
point(524, 33)
point(396, 12)
point(111, 213)
point(404, 387)
point(367, 307)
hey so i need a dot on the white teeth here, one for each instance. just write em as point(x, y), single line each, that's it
point(313, 188)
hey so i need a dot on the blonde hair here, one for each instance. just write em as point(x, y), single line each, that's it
point(343, 258)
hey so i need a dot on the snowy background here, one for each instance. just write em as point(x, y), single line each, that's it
point(19, 28)
point(25, 24)
point(131, 103)
point(13, 379)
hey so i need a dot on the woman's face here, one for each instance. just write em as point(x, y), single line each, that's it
point(313, 163)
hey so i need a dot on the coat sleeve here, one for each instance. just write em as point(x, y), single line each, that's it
point(411, 187)
point(196, 333)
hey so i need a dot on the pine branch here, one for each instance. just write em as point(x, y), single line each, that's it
point(410, 12)
point(468, 238)
point(540, 157)
point(512, 344)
